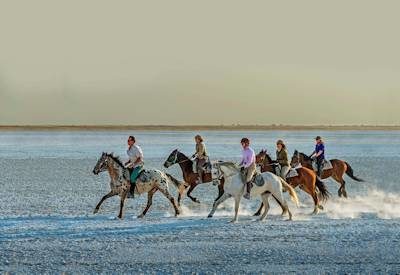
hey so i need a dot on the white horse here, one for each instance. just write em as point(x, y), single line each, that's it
point(270, 184)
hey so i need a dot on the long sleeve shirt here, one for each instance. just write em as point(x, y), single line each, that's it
point(248, 157)
point(201, 152)
point(318, 148)
point(282, 157)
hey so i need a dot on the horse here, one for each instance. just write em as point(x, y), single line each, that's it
point(339, 168)
point(190, 177)
point(234, 187)
point(306, 180)
point(149, 180)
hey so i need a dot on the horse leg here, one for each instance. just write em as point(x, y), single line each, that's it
point(264, 198)
point(121, 205)
point(259, 210)
point(314, 196)
point(237, 203)
point(181, 190)
point(342, 188)
point(218, 202)
point(220, 191)
point(109, 195)
point(149, 202)
point(166, 193)
point(190, 191)
point(282, 202)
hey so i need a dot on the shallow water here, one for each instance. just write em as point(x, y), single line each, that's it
point(48, 194)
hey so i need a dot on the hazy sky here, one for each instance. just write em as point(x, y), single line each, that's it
point(199, 62)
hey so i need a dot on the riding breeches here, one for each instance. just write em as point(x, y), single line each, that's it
point(248, 173)
point(282, 171)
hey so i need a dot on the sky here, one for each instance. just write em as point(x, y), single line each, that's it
point(95, 62)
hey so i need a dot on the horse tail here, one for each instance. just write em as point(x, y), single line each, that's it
point(323, 191)
point(176, 182)
point(350, 173)
point(292, 193)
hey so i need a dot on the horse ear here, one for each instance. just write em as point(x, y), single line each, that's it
point(295, 151)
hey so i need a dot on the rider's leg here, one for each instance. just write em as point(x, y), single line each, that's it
point(320, 162)
point(249, 172)
point(284, 171)
point(134, 175)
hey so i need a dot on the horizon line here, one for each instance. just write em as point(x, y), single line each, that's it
point(188, 127)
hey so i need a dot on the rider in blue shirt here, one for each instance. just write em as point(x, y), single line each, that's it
point(319, 154)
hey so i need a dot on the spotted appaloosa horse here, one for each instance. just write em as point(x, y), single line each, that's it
point(149, 181)
point(190, 177)
point(339, 168)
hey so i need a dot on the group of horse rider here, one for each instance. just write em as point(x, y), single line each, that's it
point(247, 164)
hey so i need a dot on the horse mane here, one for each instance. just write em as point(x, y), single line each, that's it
point(116, 159)
point(268, 157)
point(229, 165)
point(183, 158)
point(304, 156)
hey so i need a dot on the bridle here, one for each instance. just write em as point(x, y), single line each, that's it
point(176, 158)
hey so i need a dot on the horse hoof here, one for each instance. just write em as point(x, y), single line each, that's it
point(321, 207)
point(196, 200)
point(95, 211)
point(256, 214)
point(119, 217)
point(233, 221)
point(140, 216)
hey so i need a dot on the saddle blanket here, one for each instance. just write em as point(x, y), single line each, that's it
point(292, 173)
point(325, 166)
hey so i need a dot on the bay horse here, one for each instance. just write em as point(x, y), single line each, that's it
point(271, 186)
point(149, 181)
point(306, 180)
point(339, 168)
point(190, 177)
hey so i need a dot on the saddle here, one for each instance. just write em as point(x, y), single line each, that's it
point(256, 180)
point(326, 165)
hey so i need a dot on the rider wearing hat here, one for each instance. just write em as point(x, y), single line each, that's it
point(282, 159)
point(319, 154)
point(248, 165)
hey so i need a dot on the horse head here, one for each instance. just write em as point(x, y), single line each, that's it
point(101, 164)
point(172, 158)
point(260, 157)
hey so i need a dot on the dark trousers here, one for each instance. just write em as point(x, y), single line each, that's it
point(320, 163)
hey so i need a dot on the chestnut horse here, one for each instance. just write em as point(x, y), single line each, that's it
point(306, 180)
point(190, 177)
point(339, 168)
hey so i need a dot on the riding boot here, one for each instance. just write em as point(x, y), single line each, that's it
point(132, 189)
point(319, 173)
point(248, 189)
point(200, 178)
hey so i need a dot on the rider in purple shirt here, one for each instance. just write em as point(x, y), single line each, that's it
point(319, 154)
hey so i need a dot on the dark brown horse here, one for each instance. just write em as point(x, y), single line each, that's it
point(306, 180)
point(190, 177)
point(339, 168)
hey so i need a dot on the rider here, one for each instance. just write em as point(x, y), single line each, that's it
point(200, 156)
point(319, 154)
point(135, 162)
point(282, 159)
point(248, 165)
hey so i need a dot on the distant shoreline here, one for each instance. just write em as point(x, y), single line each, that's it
point(197, 127)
